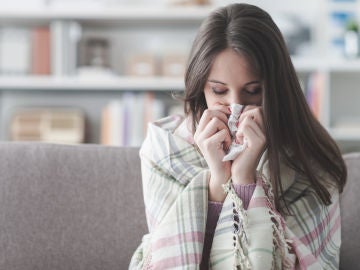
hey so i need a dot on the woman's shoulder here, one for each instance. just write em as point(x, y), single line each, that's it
point(168, 123)
point(167, 149)
point(166, 135)
point(177, 125)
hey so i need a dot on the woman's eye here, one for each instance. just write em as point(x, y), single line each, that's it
point(254, 91)
point(218, 91)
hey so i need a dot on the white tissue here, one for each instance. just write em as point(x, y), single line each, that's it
point(235, 148)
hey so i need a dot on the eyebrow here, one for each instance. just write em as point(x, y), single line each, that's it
point(248, 83)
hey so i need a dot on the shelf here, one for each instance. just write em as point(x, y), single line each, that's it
point(344, 65)
point(122, 83)
point(307, 64)
point(345, 134)
point(94, 83)
point(116, 13)
point(347, 6)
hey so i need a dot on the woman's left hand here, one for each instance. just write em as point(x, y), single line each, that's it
point(251, 127)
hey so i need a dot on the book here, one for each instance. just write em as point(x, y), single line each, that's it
point(124, 121)
point(15, 54)
point(137, 119)
point(315, 94)
point(65, 36)
point(60, 125)
point(41, 51)
point(112, 128)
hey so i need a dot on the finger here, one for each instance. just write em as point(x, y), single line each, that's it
point(208, 115)
point(255, 114)
point(254, 140)
point(223, 108)
point(250, 107)
point(252, 110)
point(248, 123)
point(214, 126)
point(219, 140)
point(251, 136)
point(251, 123)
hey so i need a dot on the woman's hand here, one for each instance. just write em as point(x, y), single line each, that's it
point(251, 127)
point(212, 137)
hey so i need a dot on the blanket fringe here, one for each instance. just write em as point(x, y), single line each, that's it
point(241, 241)
point(282, 246)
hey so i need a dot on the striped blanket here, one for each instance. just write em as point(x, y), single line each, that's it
point(175, 186)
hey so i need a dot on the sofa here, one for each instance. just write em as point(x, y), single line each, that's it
point(80, 207)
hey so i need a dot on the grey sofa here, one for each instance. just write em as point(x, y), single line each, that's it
point(80, 207)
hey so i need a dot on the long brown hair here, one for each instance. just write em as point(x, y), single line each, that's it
point(293, 134)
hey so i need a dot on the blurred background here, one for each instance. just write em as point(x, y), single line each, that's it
point(97, 71)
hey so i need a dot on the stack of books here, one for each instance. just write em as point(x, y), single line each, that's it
point(124, 121)
point(48, 125)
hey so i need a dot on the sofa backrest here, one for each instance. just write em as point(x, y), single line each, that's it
point(350, 215)
point(69, 207)
point(81, 207)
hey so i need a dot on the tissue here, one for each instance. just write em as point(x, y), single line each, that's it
point(235, 148)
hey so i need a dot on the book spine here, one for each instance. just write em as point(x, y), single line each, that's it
point(15, 51)
point(41, 52)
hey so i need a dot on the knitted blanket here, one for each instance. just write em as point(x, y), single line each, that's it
point(175, 187)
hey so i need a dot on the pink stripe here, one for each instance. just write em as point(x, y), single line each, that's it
point(175, 240)
point(310, 259)
point(320, 227)
point(191, 259)
point(304, 261)
point(329, 236)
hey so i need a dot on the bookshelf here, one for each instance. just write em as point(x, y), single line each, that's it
point(167, 29)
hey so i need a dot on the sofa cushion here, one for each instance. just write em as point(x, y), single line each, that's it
point(69, 207)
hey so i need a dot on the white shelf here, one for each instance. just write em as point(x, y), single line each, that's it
point(344, 65)
point(108, 13)
point(94, 83)
point(345, 134)
point(121, 83)
point(307, 64)
point(350, 6)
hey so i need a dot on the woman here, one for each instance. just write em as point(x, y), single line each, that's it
point(273, 206)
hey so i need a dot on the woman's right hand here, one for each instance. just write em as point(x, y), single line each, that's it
point(212, 137)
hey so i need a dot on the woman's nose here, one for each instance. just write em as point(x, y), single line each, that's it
point(235, 99)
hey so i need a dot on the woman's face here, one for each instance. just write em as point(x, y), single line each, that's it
point(231, 80)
